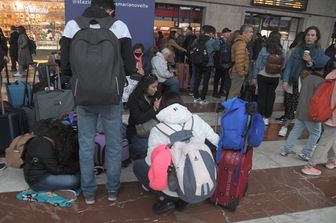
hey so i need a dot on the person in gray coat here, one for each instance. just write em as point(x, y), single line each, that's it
point(24, 54)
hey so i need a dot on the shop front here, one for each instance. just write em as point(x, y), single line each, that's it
point(43, 20)
point(171, 17)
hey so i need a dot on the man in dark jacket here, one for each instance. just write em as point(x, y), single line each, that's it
point(3, 50)
point(13, 47)
point(111, 114)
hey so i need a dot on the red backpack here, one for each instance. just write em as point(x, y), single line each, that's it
point(319, 108)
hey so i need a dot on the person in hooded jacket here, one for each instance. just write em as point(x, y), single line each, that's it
point(175, 114)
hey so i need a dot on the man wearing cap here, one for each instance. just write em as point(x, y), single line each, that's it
point(223, 64)
point(240, 57)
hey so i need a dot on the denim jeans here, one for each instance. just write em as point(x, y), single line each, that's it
point(192, 80)
point(225, 81)
point(314, 129)
point(57, 182)
point(172, 84)
point(138, 146)
point(141, 169)
point(111, 116)
point(201, 73)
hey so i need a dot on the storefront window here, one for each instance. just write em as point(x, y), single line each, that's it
point(168, 17)
point(265, 24)
point(43, 20)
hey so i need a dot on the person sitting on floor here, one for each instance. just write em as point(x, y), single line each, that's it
point(173, 113)
point(143, 106)
point(160, 69)
point(51, 160)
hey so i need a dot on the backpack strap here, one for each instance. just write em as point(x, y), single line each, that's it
point(189, 124)
point(85, 22)
point(165, 129)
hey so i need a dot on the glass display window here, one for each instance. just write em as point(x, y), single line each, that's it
point(43, 20)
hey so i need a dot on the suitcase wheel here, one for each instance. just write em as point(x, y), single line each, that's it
point(232, 206)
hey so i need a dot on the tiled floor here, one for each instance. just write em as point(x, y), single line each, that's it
point(277, 192)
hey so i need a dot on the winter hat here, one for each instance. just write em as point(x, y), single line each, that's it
point(158, 172)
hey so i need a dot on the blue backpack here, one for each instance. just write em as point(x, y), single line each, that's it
point(240, 126)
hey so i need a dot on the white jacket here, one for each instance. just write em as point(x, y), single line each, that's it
point(160, 67)
point(175, 116)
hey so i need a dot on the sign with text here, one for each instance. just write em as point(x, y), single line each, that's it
point(285, 4)
point(137, 14)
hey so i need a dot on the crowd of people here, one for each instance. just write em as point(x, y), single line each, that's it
point(237, 62)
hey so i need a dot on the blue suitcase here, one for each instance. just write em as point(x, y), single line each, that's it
point(16, 91)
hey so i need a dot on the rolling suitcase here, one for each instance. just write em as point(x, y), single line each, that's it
point(232, 178)
point(13, 122)
point(54, 101)
point(16, 91)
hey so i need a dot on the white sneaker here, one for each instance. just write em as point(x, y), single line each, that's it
point(17, 74)
point(283, 131)
point(203, 102)
point(266, 121)
point(197, 100)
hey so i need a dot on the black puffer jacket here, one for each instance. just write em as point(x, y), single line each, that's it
point(41, 159)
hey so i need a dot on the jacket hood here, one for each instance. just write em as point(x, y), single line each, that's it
point(174, 114)
point(95, 12)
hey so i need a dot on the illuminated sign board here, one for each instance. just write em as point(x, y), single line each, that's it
point(300, 5)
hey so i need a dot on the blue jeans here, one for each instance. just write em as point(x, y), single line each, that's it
point(111, 116)
point(141, 169)
point(172, 84)
point(314, 129)
point(57, 182)
point(138, 146)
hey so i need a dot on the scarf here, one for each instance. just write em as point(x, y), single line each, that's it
point(297, 68)
point(138, 62)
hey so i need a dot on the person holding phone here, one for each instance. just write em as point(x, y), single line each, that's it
point(143, 106)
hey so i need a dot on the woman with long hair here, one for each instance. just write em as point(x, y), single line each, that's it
point(304, 60)
point(267, 83)
point(143, 106)
point(51, 160)
point(24, 54)
point(304, 56)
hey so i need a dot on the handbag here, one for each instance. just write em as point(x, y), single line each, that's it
point(144, 129)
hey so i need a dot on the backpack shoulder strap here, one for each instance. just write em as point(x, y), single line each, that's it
point(165, 129)
point(105, 23)
point(189, 124)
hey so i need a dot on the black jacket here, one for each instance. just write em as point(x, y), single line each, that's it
point(41, 159)
point(3, 49)
point(13, 42)
point(125, 46)
point(140, 111)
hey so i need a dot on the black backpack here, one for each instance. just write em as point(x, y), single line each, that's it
point(198, 53)
point(223, 55)
point(96, 63)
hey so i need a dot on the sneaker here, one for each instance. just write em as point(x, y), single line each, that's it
point(331, 165)
point(3, 166)
point(145, 188)
point(191, 94)
point(203, 102)
point(112, 195)
point(90, 199)
point(283, 131)
point(197, 100)
point(161, 207)
point(266, 121)
point(303, 157)
point(286, 153)
point(67, 194)
point(17, 74)
point(309, 170)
